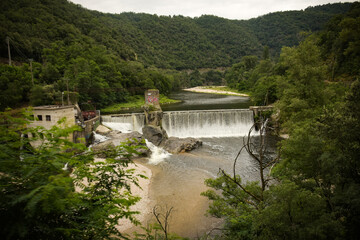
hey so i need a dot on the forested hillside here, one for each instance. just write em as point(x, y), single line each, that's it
point(310, 189)
point(175, 42)
point(280, 29)
point(105, 58)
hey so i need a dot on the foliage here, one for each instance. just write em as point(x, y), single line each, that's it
point(134, 103)
point(323, 158)
point(280, 29)
point(301, 90)
point(57, 190)
point(238, 76)
point(253, 75)
point(44, 95)
point(107, 57)
point(265, 90)
point(15, 84)
point(315, 192)
point(341, 42)
point(177, 42)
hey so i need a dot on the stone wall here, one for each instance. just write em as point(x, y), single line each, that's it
point(86, 135)
point(152, 97)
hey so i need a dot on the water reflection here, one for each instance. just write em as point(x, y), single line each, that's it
point(205, 101)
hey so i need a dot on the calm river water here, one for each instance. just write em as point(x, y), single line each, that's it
point(205, 101)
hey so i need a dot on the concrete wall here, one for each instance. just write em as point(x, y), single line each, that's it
point(86, 135)
point(48, 116)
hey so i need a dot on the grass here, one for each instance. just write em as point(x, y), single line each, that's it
point(134, 102)
point(165, 100)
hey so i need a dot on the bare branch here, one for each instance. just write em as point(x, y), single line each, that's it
point(241, 186)
point(237, 156)
point(164, 225)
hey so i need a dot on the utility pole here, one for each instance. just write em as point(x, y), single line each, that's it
point(67, 89)
point(32, 75)
point(8, 43)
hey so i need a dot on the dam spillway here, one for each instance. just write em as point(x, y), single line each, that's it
point(208, 123)
point(124, 122)
point(205, 123)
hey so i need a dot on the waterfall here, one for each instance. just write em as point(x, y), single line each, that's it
point(124, 122)
point(205, 123)
point(208, 123)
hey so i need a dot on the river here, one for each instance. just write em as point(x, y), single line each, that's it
point(205, 101)
point(178, 180)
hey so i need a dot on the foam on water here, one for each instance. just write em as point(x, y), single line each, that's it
point(122, 127)
point(99, 138)
point(158, 154)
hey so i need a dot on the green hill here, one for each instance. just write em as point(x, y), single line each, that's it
point(167, 42)
point(105, 58)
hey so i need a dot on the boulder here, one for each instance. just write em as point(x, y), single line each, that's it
point(178, 145)
point(131, 139)
point(101, 129)
point(101, 148)
point(154, 134)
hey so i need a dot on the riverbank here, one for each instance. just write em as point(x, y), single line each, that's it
point(134, 103)
point(215, 90)
point(144, 206)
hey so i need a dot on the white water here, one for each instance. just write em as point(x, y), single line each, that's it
point(124, 122)
point(209, 123)
point(158, 154)
point(98, 138)
point(206, 123)
point(122, 127)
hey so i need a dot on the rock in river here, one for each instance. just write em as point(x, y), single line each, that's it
point(154, 134)
point(178, 145)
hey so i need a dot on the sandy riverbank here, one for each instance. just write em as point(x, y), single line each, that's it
point(144, 205)
point(202, 89)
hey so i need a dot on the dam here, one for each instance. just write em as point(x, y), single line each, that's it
point(198, 124)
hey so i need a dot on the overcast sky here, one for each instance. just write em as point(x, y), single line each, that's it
point(231, 9)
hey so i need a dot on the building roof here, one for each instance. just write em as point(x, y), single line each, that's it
point(52, 107)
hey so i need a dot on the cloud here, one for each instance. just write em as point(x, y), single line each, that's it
point(231, 9)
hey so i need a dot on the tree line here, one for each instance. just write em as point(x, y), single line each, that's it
point(310, 189)
point(167, 42)
point(105, 58)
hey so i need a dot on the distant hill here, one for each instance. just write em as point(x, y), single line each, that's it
point(282, 28)
point(175, 42)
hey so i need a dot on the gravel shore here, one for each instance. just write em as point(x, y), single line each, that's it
point(202, 89)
